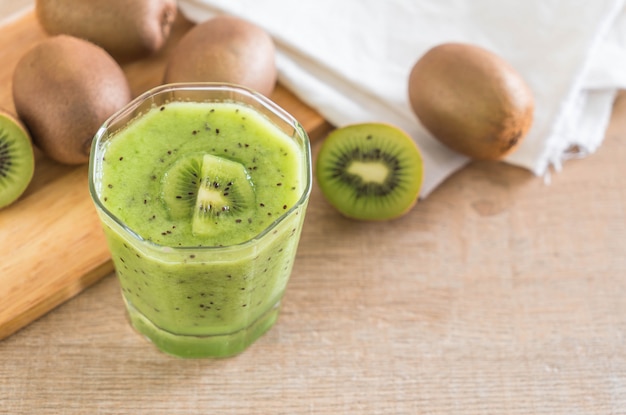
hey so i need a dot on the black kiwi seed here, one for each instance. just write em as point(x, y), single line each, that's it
point(362, 187)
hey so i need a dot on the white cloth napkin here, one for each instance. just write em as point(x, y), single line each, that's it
point(350, 60)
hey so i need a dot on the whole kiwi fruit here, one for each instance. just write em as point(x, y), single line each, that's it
point(471, 100)
point(125, 29)
point(225, 49)
point(17, 159)
point(64, 88)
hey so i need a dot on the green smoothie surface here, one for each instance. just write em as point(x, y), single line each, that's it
point(248, 172)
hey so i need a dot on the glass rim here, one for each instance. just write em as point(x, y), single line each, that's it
point(202, 86)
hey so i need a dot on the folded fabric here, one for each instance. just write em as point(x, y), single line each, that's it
point(12, 11)
point(350, 60)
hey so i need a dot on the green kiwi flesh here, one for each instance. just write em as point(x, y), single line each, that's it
point(370, 171)
point(17, 160)
point(203, 187)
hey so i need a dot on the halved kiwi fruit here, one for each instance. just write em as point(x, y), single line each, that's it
point(17, 160)
point(370, 171)
point(207, 189)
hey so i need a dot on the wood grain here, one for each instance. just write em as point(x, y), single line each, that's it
point(51, 237)
point(499, 294)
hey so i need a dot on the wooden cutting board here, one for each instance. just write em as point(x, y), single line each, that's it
point(51, 243)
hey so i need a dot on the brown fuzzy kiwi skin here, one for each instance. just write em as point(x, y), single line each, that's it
point(471, 100)
point(126, 29)
point(64, 88)
point(225, 49)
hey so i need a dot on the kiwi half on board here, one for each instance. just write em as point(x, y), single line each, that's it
point(370, 171)
point(17, 160)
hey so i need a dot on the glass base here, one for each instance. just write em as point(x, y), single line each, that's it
point(189, 346)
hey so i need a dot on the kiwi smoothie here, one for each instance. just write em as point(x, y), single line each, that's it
point(202, 202)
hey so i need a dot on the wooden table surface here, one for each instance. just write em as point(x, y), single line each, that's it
point(499, 294)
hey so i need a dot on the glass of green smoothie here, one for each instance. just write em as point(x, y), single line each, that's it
point(202, 191)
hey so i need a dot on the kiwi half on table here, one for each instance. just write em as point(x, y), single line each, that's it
point(17, 160)
point(370, 171)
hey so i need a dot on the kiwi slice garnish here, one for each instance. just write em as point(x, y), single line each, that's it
point(206, 189)
point(370, 171)
point(17, 160)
